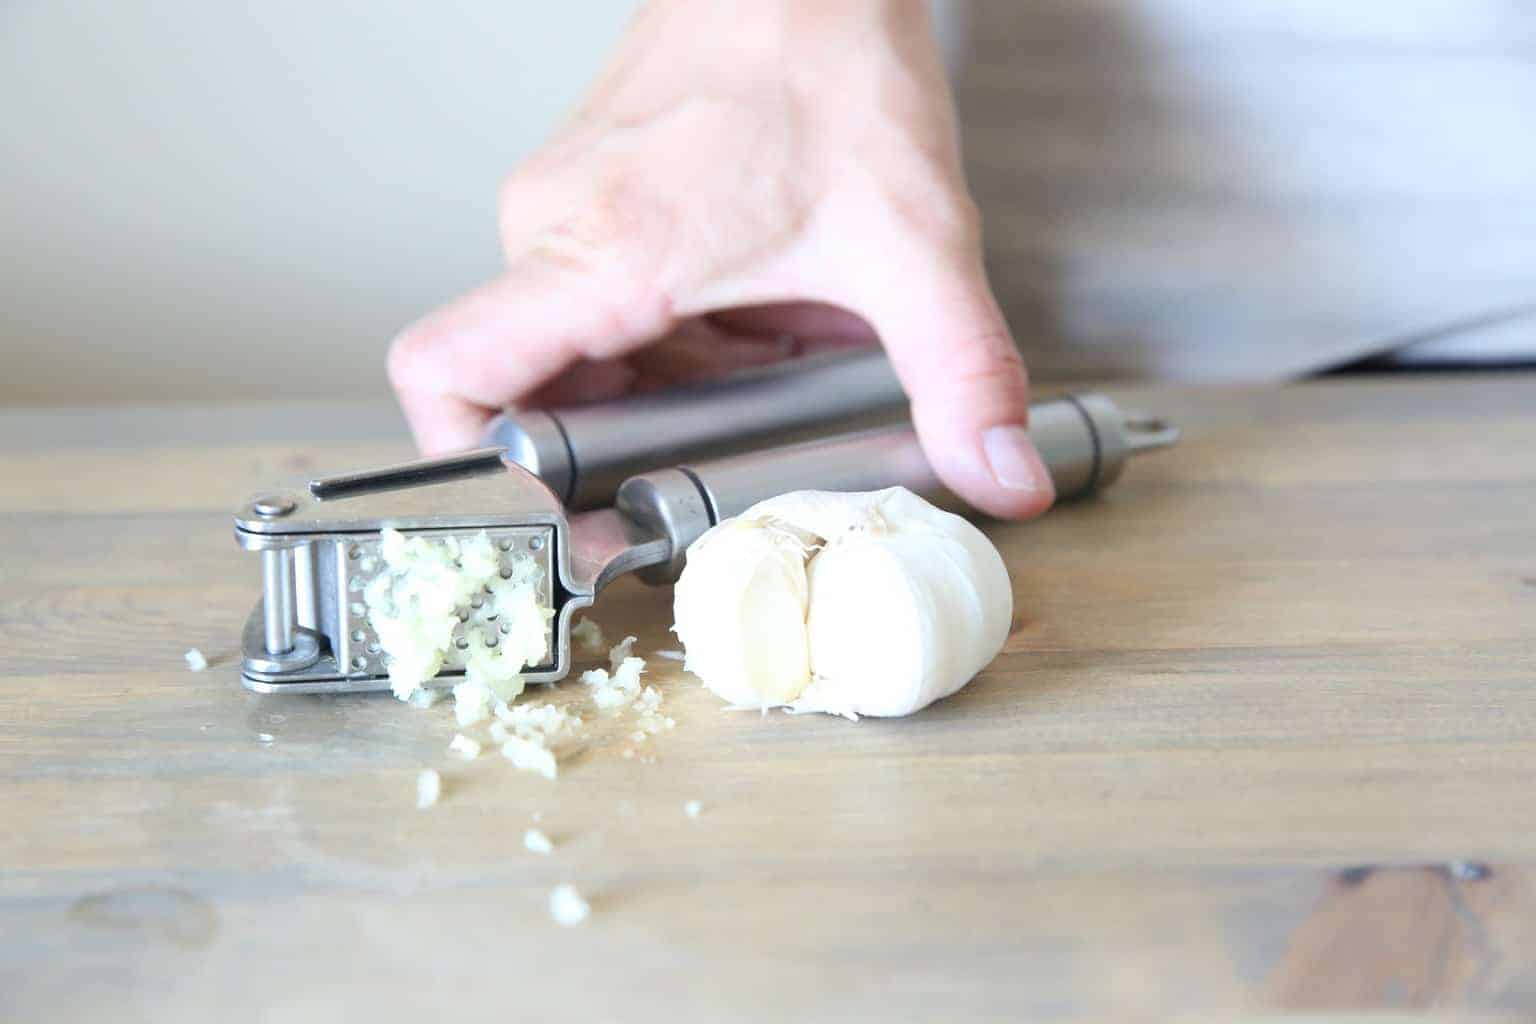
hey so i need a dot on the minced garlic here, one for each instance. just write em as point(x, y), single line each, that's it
point(430, 586)
point(567, 907)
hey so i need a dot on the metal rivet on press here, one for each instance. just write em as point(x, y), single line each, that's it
point(272, 506)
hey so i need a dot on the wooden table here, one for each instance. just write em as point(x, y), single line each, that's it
point(1264, 736)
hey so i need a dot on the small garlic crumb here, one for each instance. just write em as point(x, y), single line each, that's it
point(471, 703)
point(264, 737)
point(629, 753)
point(429, 786)
point(544, 720)
point(620, 652)
point(195, 660)
point(639, 735)
point(538, 815)
point(530, 755)
point(567, 907)
point(589, 636)
point(672, 655)
point(424, 697)
point(612, 691)
point(464, 747)
point(525, 732)
point(693, 808)
point(535, 841)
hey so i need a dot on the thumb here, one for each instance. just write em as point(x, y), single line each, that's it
point(951, 348)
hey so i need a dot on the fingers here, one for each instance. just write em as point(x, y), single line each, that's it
point(551, 309)
point(815, 323)
point(591, 380)
point(698, 350)
point(950, 346)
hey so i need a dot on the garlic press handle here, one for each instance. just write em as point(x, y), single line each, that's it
point(1084, 440)
point(584, 452)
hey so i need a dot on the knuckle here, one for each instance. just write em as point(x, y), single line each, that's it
point(560, 158)
point(411, 349)
point(987, 366)
point(1001, 370)
point(606, 233)
point(615, 241)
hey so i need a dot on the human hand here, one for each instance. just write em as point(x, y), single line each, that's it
point(746, 182)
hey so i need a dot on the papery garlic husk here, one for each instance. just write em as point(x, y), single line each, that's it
point(874, 603)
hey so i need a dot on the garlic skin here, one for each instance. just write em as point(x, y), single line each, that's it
point(874, 603)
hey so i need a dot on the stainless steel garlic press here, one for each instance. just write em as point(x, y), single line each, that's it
point(319, 539)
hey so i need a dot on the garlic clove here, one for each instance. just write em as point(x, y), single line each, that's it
point(740, 609)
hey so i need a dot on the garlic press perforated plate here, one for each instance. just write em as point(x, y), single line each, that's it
point(319, 539)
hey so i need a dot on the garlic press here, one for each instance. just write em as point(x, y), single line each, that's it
point(319, 540)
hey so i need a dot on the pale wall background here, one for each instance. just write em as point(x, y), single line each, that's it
point(210, 198)
point(206, 198)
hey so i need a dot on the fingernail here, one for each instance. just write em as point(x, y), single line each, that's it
point(1014, 461)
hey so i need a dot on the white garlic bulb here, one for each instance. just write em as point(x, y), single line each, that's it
point(855, 604)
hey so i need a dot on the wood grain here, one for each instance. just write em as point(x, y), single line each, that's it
point(1259, 699)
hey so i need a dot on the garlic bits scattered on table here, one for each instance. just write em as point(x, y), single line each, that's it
point(874, 603)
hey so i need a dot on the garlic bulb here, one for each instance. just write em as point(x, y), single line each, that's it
point(853, 604)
